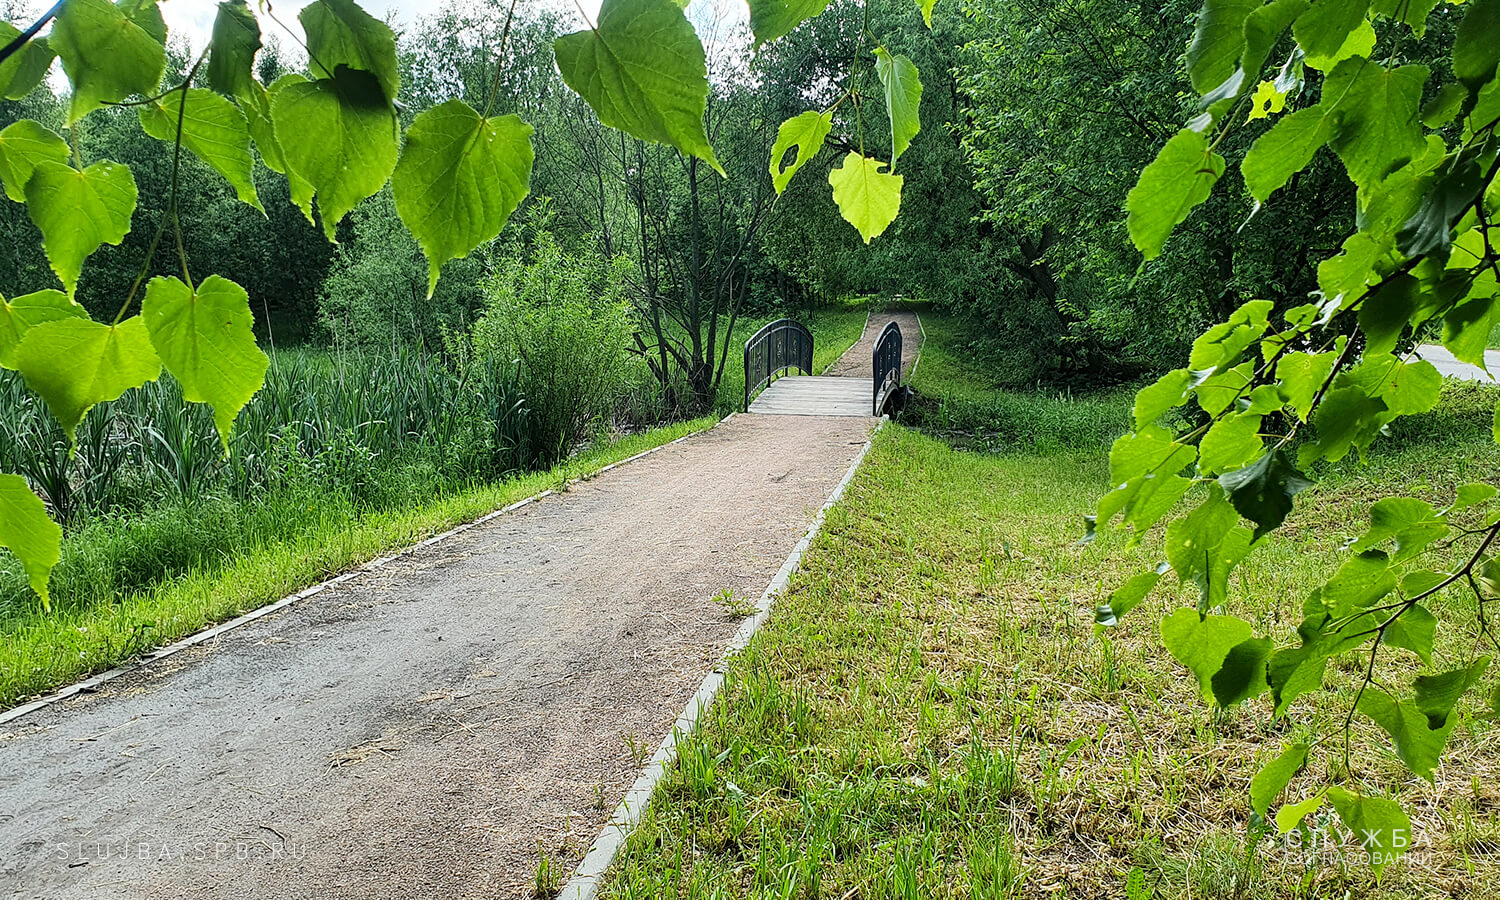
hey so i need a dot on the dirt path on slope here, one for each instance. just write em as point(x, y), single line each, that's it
point(428, 729)
point(856, 361)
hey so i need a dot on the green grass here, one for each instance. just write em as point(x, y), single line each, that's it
point(39, 652)
point(930, 713)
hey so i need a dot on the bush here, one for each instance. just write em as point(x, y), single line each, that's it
point(563, 319)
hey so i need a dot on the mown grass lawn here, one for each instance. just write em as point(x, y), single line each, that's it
point(931, 713)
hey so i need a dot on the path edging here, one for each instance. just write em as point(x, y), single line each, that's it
point(589, 876)
point(199, 637)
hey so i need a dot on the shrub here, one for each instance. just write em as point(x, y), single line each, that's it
point(563, 319)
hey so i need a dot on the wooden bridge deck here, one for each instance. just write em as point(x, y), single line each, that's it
point(808, 395)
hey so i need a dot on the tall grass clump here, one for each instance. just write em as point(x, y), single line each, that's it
point(148, 494)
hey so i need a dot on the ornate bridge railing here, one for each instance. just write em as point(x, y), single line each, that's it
point(887, 363)
point(781, 346)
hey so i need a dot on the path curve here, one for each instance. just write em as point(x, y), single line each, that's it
point(858, 360)
point(422, 730)
point(1452, 367)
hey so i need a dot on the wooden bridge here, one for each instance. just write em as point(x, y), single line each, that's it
point(779, 358)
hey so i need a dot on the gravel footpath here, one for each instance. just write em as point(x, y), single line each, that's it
point(431, 728)
point(857, 361)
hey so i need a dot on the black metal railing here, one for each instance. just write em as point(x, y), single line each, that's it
point(781, 346)
point(887, 363)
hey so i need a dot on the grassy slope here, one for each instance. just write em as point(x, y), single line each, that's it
point(929, 712)
point(39, 652)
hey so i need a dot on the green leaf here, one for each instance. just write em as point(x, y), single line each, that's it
point(213, 129)
point(459, 179)
point(107, 56)
point(1444, 105)
point(1448, 195)
point(1413, 12)
point(1411, 523)
point(1384, 314)
point(1476, 48)
point(1359, 42)
point(1274, 776)
point(27, 531)
point(26, 68)
point(1380, 826)
point(1321, 30)
point(1406, 388)
point(21, 314)
point(232, 49)
point(1291, 815)
point(1267, 101)
point(1414, 630)
point(1128, 596)
point(1285, 150)
point(1294, 671)
point(24, 145)
point(1416, 743)
point(1169, 188)
point(1144, 468)
point(147, 15)
point(74, 363)
point(1218, 41)
point(1380, 128)
point(867, 198)
point(804, 131)
point(1495, 427)
point(903, 99)
point(1243, 675)
point(1301, 375)
point(1346, 419)
point(1222, 345)
point(1263, 491)
point(1202, 642)
point(339, 33)
point(771, 19)
point(643, 71)
point(1263, 28)
point(926, 7)
point(346, 146)
point(1436, 695)
point(1219, 392)
point(77, 211)
point(206, 339)
point(1359, 583)
point(1230, 443)
point(1474, 494)
point(1167, 392)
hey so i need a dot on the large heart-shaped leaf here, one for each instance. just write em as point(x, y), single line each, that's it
point(205, 338)
point(74, 363)
point(77, 211)
point(213, 129)
point(27, 531)
point(346, 139)
point(24, 145)
point(459, 178)
point(643, 71)
point(867, 198)
point(106, 55)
